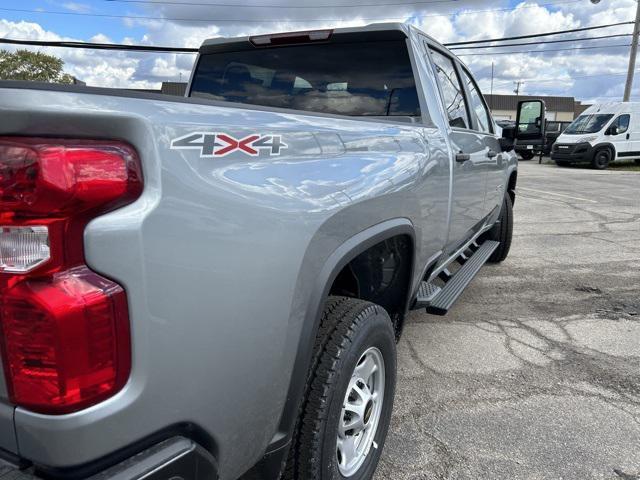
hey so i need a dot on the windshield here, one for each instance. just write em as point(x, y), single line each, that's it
point(588, 124)
point(359, 79)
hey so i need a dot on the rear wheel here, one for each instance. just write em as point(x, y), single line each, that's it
point(562, 164)
point(502, 231)
point(637, 160)
point(527, 155)
point(347, 409)
point(601, 159)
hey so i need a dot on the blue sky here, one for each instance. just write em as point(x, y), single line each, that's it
point(586, 74)
point(78, 26)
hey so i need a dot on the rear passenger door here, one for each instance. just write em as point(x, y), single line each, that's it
point(469, 151)
point(482, 124)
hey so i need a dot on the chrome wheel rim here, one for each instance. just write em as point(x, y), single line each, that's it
point(361, 412)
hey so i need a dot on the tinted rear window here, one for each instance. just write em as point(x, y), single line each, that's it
point(356, 79)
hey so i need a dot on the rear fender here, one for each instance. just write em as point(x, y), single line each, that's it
point(270, 467)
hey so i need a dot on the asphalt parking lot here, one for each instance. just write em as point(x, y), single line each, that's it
point(535, 374)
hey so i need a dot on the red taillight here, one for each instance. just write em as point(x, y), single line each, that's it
point(66, 340)
point(42, 176)
point(65, 329)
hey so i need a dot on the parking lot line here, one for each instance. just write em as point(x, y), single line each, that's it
point(557, 194)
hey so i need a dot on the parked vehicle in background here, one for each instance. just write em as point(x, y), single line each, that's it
point(212, 287)
point(529, 145)
point(502, 124)
point(603, 134)
point(553, 131)
point(506, 123)
point(528, 151)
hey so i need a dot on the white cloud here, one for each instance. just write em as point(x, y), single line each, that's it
point(100, 68)
point(77, 7)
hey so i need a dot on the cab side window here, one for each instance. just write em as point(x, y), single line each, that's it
point(622, 122)
point(452, 91)
point(478, 107)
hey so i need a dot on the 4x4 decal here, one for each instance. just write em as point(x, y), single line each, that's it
point(221, 144)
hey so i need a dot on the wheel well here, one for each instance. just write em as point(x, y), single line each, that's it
point(382, 275)
point(606, 146)
point(511, 187)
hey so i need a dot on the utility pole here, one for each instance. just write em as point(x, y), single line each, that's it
point(491, 102)
point(632, 58)
point(518, 84)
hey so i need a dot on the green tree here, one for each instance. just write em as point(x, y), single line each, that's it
point(33, 66)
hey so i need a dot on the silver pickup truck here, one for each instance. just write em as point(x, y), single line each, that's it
point(213, 286)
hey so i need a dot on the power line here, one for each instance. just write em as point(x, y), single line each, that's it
point(243, 20)
point(152, 48)
point(205, 20)
point(99, 46)
point(337, 5)
point(542, 51)
point(253, 5)
point(565, 40)
point(149, 48)
point(334, 5)
point(546, 34)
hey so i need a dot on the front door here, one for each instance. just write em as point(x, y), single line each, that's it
point(470, 160)
point(621, 137)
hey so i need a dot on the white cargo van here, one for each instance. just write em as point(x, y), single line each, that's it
point(604, 133)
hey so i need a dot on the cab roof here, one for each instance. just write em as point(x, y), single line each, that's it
point(372, 32)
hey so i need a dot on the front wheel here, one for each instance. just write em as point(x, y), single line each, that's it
point(502, 231)
point(349, 400)
point(601, 159)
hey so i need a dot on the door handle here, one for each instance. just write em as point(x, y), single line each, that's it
point(628, 136)
point(492, 154)
point(462, 157)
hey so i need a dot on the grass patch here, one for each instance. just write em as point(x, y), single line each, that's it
point(626, 166)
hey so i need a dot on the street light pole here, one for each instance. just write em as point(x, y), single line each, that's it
point(632, 58)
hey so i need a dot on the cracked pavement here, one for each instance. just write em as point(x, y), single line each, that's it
point(535, 373)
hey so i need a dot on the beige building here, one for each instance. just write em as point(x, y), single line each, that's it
point(562, 109)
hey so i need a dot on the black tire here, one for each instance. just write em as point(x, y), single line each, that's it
point(349, 328)
point(502, 231)
point(562, 164)
point(527, 155)
point(637, 160)
point(601, 158)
